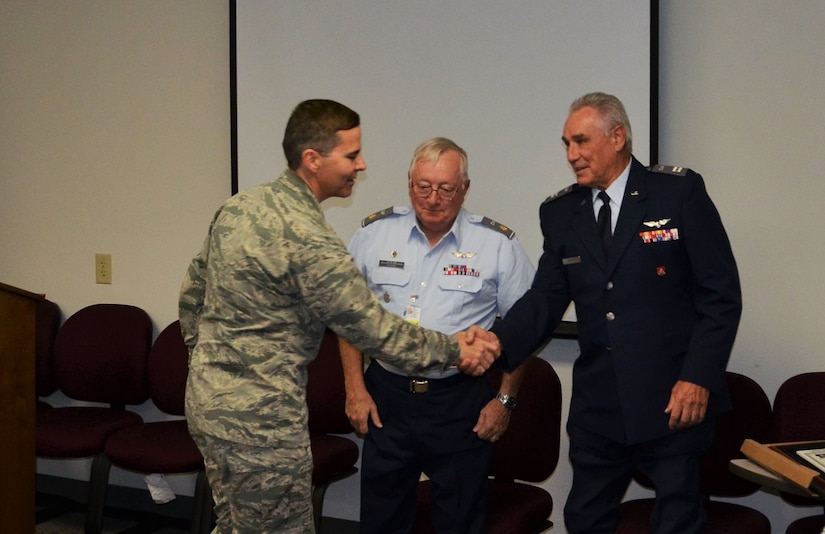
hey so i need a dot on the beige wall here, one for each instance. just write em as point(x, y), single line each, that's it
point(114, 137)
point(742, 84)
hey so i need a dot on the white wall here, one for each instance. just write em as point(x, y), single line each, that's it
point(114, 138)
point(742, 85)
point(494, 76)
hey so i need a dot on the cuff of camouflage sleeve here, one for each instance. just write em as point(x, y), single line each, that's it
point(453, 353)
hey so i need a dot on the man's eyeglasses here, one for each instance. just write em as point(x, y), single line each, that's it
point(423, 189)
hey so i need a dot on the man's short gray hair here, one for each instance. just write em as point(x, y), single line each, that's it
point(612, 113)
point(432, 149)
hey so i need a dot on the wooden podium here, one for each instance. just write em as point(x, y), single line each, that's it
point(17, 408)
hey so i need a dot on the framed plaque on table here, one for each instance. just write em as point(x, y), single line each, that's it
point(801, 462)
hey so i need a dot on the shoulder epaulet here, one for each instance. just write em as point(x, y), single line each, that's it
point(498, 227)
point(558, 194)
point(669, 169)
point(378, 215)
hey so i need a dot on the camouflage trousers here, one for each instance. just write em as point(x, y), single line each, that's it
point(258, 490)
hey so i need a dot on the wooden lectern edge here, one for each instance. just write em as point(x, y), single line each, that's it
point(22, 292)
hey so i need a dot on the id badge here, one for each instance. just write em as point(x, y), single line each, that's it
point(412, 312)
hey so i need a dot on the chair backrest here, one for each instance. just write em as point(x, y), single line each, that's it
point(749, 418)
point(167, 370)
point(529, 450)
point(797, 408)
point(797, 417)
point(326, 395)
point(47, 324)
point(101, 354)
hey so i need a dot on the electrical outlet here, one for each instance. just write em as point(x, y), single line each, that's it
point(103, 268)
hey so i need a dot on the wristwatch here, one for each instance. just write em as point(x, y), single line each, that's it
point(508, 401)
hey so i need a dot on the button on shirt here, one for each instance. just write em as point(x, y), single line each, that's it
point(473, 274)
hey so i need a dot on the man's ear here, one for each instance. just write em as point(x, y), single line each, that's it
point(311, 159)
point(619, 138)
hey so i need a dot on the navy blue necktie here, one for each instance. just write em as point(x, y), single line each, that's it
point(603, 221)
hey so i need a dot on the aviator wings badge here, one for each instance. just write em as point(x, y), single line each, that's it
point(464, 254)
point(656, 224)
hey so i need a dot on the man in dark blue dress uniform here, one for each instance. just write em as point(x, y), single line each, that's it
point(644, 256)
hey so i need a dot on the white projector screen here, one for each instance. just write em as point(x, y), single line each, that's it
point(495, 76)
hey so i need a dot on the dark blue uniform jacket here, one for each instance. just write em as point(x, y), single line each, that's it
point(664, 306)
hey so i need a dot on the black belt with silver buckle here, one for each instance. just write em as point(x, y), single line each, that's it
point(418, 385)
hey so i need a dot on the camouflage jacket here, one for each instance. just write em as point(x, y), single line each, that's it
point(271, 276)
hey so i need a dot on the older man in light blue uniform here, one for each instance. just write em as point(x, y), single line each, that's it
point(439, 266)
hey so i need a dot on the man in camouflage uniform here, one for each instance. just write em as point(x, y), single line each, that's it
point(271, 276)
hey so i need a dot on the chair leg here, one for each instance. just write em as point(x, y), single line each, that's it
point(319, 490)
point(318, 493)
point(202, 513)
point(98, 486)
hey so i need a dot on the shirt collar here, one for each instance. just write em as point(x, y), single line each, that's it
point(453, 233)
point(616, 190)
point(293, 181)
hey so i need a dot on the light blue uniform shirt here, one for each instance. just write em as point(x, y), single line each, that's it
point(473, 274)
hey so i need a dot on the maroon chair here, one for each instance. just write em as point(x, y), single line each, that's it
point(47, 324)
point(527, 452)
point(797, 416)
point(750, 418)
point(814, 524)
point(100, 357)
point(333, 457)
point(162, 446)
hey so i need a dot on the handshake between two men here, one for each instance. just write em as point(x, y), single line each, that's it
point(479, 349)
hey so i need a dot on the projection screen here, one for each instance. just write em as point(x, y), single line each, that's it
point(495, 76)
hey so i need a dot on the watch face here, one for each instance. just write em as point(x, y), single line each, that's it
point(508, 401)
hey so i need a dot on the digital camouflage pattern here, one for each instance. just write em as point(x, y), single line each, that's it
point(269, 489)
point(271, 275)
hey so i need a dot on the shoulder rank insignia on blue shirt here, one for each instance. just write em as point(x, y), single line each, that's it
point(669, 169)
point(566, 191)
point(378, 215)
point(498, 227)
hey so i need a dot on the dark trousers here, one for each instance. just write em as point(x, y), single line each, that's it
point(428, 433)
point(603, 469)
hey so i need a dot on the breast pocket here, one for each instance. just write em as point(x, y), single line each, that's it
point(387, 276)
point(459, 292)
